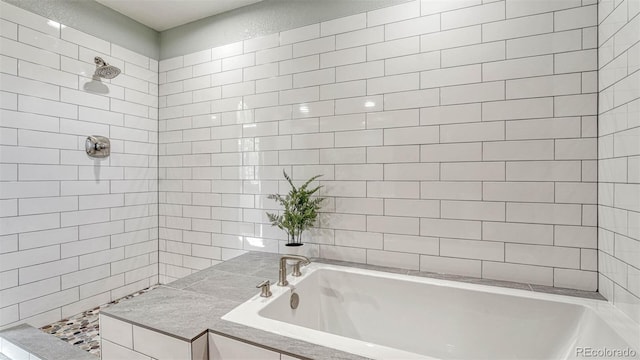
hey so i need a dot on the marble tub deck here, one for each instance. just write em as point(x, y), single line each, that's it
point(189, 306)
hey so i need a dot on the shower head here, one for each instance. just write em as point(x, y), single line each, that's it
point(105, 70)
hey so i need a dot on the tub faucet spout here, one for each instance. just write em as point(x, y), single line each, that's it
point(282, 271)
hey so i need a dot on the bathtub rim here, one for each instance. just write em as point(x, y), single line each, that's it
point(247, 313)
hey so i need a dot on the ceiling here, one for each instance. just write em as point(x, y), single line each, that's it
point(161, 15)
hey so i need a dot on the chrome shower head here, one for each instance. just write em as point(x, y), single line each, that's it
point(105, 70)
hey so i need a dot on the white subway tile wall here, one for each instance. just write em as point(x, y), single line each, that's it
point(618, 258)
point(75, 232)
point(458, 137)
point(453, 136)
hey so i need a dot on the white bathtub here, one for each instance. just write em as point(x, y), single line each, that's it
point(388, 316)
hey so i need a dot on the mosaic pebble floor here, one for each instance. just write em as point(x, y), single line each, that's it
point(83, 330)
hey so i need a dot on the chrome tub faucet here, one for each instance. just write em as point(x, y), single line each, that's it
point(282, 272)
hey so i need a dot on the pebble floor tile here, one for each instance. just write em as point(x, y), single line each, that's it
point(83, 330)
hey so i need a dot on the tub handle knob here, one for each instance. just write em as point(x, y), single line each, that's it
point(296, 268)
point(265, 288)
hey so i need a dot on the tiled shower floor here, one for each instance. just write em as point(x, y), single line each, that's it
point(83, 330)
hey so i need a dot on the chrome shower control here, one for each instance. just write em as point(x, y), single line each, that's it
point(97, 146)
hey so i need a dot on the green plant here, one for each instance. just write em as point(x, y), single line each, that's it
point(300, 210)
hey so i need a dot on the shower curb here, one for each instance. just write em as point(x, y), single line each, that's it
point(25, 339)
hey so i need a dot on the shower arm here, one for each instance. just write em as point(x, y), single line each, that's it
point(99, 61)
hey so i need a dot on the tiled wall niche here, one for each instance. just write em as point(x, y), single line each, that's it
point(74, 232)
point(619, 154)
point(453, 136)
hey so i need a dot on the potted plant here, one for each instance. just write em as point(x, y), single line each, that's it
point(300, 210)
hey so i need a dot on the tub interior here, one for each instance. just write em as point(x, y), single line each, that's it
point(438, 321)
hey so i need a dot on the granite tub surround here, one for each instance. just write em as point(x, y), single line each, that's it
point(453, 136)
point(15, 340)
point(187, 308)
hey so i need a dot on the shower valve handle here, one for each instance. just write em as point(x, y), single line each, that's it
point(97, 146)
